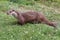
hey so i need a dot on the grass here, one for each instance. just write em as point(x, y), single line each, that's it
point(10, 30)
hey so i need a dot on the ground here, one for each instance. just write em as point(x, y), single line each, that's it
point(10, 30)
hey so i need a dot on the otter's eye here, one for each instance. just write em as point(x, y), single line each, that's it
point(13, 10)
point(10, 11)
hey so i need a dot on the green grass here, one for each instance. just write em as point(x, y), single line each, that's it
point(10, 30)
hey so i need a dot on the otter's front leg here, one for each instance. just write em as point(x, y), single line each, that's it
point(21, 20)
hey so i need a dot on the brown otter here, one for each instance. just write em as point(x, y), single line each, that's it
point(30, 16)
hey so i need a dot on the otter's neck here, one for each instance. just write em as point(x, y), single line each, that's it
point(15, 14)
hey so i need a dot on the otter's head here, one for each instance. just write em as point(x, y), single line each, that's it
point(12, 12)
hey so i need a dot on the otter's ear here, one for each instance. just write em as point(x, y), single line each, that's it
point(13, 10)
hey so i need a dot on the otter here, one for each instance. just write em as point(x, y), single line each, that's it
point(30, 16)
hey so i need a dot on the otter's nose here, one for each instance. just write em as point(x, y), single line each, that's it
point(7, 13)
